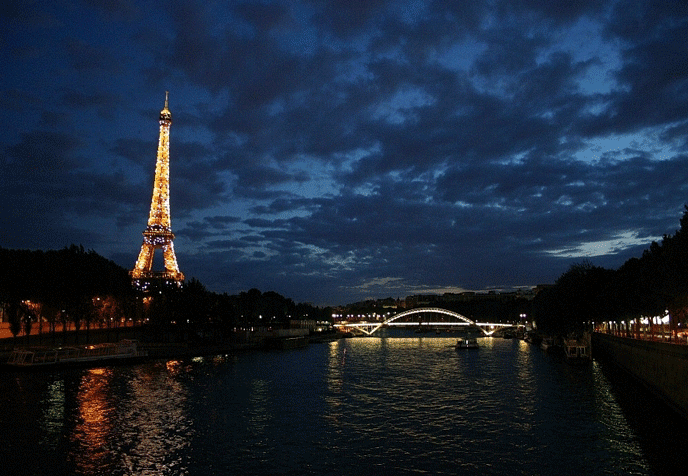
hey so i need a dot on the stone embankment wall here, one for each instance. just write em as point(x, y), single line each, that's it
point(660, 366)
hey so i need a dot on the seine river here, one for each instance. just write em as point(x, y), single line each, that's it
point(387, 406)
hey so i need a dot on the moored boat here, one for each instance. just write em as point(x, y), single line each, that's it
point(123, 351)
point(533, 338)
point(576, 351)
point(467, 343)
point(547, 343)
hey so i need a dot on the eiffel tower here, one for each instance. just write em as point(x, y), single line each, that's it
point(158, 234)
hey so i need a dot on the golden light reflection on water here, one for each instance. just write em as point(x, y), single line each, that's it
point(352, 369)
point(415, 404)
point(147, 432)
point(52, 422)
point(527, 385)
point(415, 369)
point(259, 411)
point(610, 413)
point(94, 421)
point(336, 362)
point(155, 428)
point(175, 367)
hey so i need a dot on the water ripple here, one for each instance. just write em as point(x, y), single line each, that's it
point(402, 406)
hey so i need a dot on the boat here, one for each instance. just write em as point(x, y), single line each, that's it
point(286, 343)
point(533, 338)
point(467, 343)
point(576, 351)
point(547, 343)
point(123, 351)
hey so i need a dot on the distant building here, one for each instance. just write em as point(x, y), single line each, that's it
point(310, 324)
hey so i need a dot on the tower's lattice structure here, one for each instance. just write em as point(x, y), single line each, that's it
point(158, 234)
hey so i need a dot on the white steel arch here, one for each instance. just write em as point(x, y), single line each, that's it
point(434, 310)
point(370, 328)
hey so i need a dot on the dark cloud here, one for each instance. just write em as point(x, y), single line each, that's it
point(221, 222)
point(263, 16)
point(115, 9)
point(135, 150)
point(346, 18)
point(39, 159)
point(636, 21)
point(323, 149)
point(653, 86)
point(508, 52)
point(103, 100)
point(544, 10)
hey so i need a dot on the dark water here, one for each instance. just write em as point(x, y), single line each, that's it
point(358, 406)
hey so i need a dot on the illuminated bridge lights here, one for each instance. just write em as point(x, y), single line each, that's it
point(370, 328)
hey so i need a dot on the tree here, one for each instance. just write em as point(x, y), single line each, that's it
point(580, 295)
point(13, 313)
point(27, 317)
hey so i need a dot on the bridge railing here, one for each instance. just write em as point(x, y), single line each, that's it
point(369, 328)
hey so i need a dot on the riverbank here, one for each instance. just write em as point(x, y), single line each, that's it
point(71, 338)
point(661, 367)
point(167, 345)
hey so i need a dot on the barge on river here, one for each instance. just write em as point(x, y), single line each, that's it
point(99, 354)
point(467, 344)
point(577, 351)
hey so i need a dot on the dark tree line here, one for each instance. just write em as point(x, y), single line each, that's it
point(57, 286)
point(646, 286)
point(83, 289)
point(492, 310)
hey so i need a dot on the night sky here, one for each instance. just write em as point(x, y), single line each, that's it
point(333, 151)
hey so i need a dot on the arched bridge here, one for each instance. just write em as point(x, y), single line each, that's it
point(456, 319)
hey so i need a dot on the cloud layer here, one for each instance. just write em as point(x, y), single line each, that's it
point(337, 150)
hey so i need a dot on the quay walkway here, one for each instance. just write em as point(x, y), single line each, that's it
point(658, 332)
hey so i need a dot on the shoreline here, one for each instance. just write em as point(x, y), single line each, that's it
point(164, 347)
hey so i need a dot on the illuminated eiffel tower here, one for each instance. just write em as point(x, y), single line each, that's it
point(158, 234)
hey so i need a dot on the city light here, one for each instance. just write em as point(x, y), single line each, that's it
point(158, 234)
